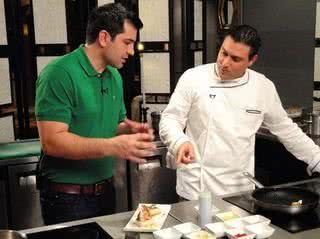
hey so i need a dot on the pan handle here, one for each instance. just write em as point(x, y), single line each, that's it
point(253, 180)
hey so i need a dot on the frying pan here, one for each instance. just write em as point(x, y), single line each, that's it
point(285, 199)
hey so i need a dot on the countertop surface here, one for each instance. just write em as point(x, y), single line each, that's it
point(180, 212)
point(21, 148)
point(20, 152)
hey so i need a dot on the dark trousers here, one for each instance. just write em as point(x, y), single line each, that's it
point(62, 207)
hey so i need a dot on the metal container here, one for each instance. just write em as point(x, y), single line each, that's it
point(308, 124)
point(9, 234)
point(155, 120)
point(316, 123)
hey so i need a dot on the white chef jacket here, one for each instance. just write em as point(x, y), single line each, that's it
point(221, 118)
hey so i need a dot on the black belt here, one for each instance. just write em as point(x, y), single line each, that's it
point(88, 189)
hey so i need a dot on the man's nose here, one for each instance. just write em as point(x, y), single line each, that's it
point(225, 61)
point(131, 50)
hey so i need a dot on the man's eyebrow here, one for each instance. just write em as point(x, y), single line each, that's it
point(129, 39)
point(233, 56)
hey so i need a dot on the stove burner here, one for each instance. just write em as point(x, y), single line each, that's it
point(293, 224)
point(83, 231)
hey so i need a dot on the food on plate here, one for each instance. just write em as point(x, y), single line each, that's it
point(145, 215)
point(240, 235)
point(297, 203)
point(294, 112)
point(200, 235)
point(225, 216)
point(154, 210)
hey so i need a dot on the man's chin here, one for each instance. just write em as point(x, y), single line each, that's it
point(118, 66)
point(224, 76)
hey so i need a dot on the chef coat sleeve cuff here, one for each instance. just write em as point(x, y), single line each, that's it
point(182, 139)
point(314, 166)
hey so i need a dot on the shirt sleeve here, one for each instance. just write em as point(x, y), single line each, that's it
point(119, 80)
point(174, 118)
point(54, 99)
point(123, 113)
point(290, 135)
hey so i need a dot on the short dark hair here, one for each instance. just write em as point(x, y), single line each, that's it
point(247, 35)
point(110, 17)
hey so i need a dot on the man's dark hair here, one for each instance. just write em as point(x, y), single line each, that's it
point(247, 35)
point(110, 17)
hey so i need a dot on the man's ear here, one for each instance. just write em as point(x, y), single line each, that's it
point(104, 38)
point(253, 60)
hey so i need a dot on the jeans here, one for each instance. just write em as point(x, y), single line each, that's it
point(62, 207)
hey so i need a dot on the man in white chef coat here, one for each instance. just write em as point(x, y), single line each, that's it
point(213, 115)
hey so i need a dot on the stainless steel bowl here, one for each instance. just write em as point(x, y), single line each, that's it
point(10, 234)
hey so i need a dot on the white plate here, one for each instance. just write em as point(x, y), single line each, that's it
point(168, 233)
point(262, 231)
point(235, 223)
point(256, 219)
point(156, 222)
point(235, 233)
point(187, 228)
point(229, 215)
point(218, 228)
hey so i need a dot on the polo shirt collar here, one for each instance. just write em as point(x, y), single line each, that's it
point(85, 63)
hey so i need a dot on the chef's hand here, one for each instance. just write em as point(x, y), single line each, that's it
point(185, 154)
point(134, 147)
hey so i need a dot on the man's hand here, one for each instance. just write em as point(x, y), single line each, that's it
point(137, 127)
point(185, 154)
point(134, 147)
point(133, 127)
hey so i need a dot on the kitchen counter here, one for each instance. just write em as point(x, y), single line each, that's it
point(180, 212)
point(24, 151)
point(112, 224)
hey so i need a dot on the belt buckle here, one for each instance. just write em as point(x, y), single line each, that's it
point(96, 188)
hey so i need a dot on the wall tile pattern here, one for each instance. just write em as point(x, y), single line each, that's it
point(50, 21)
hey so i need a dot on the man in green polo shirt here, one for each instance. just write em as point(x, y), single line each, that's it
point(82, 121)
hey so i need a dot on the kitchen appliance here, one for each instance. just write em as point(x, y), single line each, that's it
point(316, 123)
point(293, 224)
point(10, 234)
point(288, 200)
point(152, 182)
point(82, 231)
point(155, 120)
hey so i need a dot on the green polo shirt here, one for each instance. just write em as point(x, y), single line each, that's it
point(71, 91)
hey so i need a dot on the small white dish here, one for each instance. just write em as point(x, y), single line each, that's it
point(168, 233)
point(235, 223)
point(225, 216)
point(187, 228)
point(200, 234)
point(236, 233)
point(218, 228)
point(256, 219)
point(261, 230)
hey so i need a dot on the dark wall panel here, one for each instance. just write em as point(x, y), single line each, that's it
point(287, 29)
